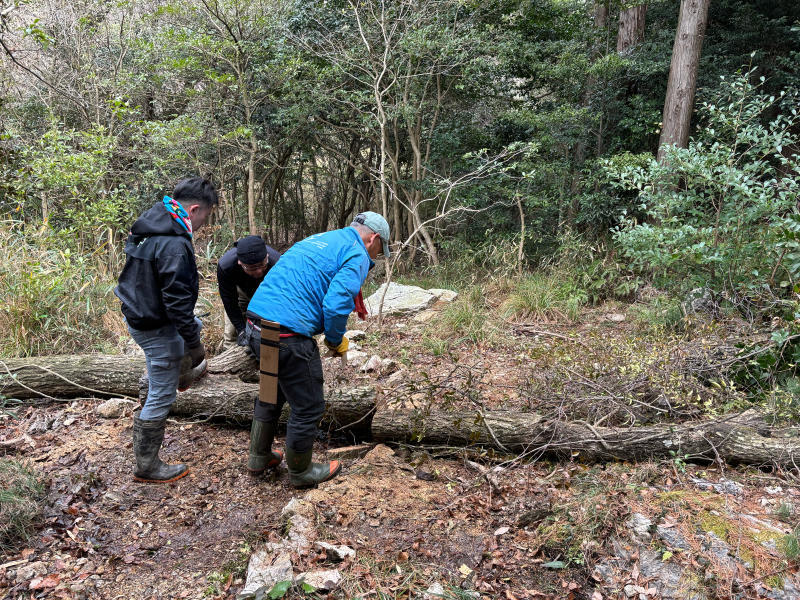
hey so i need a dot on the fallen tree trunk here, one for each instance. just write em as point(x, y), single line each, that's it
point(70, 376)
point(223, 395)
point(741, 438)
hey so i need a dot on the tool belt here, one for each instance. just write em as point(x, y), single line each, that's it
point(271, 333)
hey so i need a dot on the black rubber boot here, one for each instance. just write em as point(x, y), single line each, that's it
point(261, 456)
point(303, 473)
point(147, 438)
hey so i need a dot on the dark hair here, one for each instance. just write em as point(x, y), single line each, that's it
point(195, 189)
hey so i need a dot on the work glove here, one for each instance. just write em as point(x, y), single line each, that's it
point(197, 354)
point(338, 349)
point(241, 339)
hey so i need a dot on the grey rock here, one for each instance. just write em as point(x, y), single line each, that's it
point(340, 552)
point(444, 295)
point(373, 364)
point(672, 537)
point(640, 526)
point(31, 570)
point(356, 358)
point(299, 516)
point(397, 376)
point(355, 335)
point(789, 592)
point(264, 571)
point(724, 486)
point(113, 408)
point(604, 572)
point(667, 577)
point(720, 549)
point(630, 590)
point(399, 299)
point(388, 365)
point(328, 580)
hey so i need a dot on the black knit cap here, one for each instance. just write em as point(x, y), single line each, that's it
point(251, 250)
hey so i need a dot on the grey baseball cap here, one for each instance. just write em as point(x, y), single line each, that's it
point(378, 224)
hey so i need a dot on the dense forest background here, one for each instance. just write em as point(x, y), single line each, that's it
point(498, 137)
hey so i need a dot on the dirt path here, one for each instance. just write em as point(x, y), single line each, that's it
point(416, 518)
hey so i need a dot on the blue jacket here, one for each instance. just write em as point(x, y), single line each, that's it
point(312, 288)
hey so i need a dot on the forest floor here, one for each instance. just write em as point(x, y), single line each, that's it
point(475, 522)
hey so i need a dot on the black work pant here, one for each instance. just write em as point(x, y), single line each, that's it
point(299, 384)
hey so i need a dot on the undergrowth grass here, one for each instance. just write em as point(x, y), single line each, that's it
point(21, 493)
point(547, 295)
point(55, 301)
point(467, 318)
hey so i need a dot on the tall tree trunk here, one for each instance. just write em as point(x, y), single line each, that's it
point(683, 75)
point(567, 214)
point(251, 187)
point(631, 27)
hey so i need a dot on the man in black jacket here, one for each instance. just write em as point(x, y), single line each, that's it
point(158, 289)
point(239, 272)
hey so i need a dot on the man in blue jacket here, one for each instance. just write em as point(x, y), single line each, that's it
point(311, 290)
point(158, 288)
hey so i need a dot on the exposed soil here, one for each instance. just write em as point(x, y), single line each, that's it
point(501, 526)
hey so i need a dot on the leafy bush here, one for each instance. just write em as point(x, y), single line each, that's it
point(720, 211)
point(21, 492)
point(769, 371)
point(592, 267)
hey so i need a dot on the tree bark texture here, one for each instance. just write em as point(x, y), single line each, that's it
point(70, 376)
point(631, 27)
point(742, 438)
point(683, 75)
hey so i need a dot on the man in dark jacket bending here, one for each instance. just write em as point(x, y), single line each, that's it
point(239, 272)
point(158, 288)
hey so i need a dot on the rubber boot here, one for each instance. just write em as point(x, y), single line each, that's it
point(261, 456)
point(303, 473)
point(147, 439)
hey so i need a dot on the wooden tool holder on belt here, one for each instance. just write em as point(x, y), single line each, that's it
point(268, 367)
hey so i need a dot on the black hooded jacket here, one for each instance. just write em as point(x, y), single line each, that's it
point(159, 283)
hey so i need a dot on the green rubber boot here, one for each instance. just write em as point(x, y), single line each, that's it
point(261, 456)
point(303, 473)
point(147, 438)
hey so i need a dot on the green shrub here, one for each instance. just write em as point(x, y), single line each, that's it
point(720, 212)
point(21, 493)
point(592, 267)
point(791, 544)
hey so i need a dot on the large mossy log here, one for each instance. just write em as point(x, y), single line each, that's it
point(228, 391)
